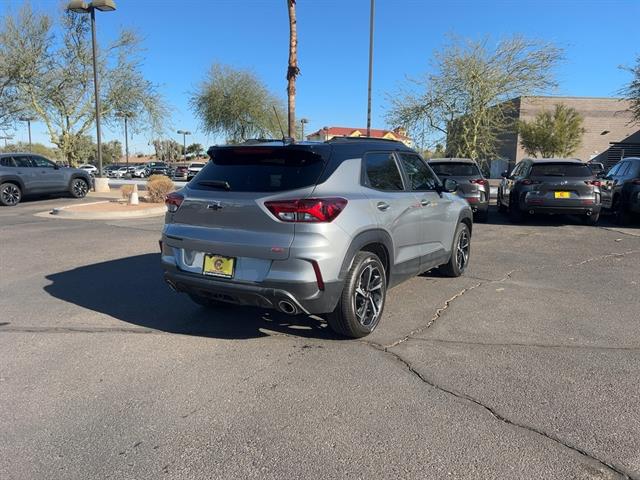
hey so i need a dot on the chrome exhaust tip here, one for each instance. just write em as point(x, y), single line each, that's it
point(287, 307)
point(531, 212)
point(589, 213)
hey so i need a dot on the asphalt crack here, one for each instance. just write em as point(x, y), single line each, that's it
point(529, 345)
point(498, 416)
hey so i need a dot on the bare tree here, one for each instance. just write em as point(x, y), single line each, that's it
point(292, 70)
point(460, 100)
point(631, 91)
point(55, 81)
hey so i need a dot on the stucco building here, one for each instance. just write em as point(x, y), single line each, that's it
point(609, 134)
point(328, 133)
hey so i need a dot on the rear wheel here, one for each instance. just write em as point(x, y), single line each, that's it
point(591, 219)
point(460, 253)
point(79, 188)
point(10, 194)
point(515, 214)
point(362, 302)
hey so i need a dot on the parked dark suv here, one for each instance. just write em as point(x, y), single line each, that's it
point(313, 228)
point(555, 186)
point(621, 189)
point(28, 174)
point(472, 186)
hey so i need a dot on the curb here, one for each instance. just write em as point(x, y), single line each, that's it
point(64, 213)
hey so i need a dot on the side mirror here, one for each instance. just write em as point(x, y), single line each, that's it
point(505, 174)
point(450, 185)
point(56, 166)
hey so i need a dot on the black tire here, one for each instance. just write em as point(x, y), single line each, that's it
point(10, 194)
point(501, 207)
point(204, 301)
point(515, 214)
point(78, 188)
point(481, 216)
point(591, 219)
point(620, 214)
point(361, 304)
point(460, 253)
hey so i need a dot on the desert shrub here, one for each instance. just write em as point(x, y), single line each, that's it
point(158, 187)
point(126, 191)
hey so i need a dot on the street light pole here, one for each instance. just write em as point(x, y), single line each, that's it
point(302, 122)
point(371, 16)
point(28, 120)
point(80, 6)
point(184, 134)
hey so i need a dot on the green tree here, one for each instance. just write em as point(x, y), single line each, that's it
point(195, 149)
point(459, 99)
point(236, 103)
point(167, 150)
point(631, 91)
point(557, 134)
point(111, 152)
point(55, 79)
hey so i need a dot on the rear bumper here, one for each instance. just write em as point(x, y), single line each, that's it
point(580, 210)
point(306, 297)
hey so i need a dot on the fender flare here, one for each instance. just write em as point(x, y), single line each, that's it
point(13, 179)
point(376, 235)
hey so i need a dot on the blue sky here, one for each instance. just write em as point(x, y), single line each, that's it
point(183, 38)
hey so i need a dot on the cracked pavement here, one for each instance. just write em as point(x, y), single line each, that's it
point(527, 367)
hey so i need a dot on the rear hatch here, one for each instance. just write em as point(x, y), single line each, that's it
point(468, 176)
point(563, 182)
point(223, 210)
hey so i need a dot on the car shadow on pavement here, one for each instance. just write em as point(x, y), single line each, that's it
point(539, 220)
point(132, 290)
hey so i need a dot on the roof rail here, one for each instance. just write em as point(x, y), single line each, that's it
point(338, 138)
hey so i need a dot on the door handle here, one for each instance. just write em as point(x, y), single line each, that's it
point(382, 206)
point(425, 203)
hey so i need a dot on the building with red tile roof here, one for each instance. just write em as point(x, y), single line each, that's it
point(327, 133)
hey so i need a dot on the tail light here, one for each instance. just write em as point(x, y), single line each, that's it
point(480, 181)
point(308, 210)
point(528, 181)
point(595, 183)
point(173, 201)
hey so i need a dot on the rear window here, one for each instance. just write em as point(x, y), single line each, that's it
point(451, 169)
point(560, 170)
point(260, 170)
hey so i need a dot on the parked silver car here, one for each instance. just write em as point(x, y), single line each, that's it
point(472, 186)
point(314, 228)
point(29, 174)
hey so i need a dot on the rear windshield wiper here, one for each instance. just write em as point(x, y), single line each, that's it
point(215, 184)
point(444, 174)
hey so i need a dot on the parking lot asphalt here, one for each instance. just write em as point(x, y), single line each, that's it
point(527, 367)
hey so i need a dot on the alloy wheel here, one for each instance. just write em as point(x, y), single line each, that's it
point(368, 297)
point(462, 250)
point(80, 188)
point(10, 194)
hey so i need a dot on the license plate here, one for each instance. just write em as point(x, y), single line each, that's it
point(218, 266)
point(562, 195)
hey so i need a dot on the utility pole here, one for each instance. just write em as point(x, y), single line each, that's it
point(371, 16)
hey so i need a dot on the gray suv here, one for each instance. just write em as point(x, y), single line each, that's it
point(29, 174)
point(313, 228)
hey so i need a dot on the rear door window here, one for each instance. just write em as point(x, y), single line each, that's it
point(381, 172)
point(560, 170)
point(246, 169)
point(450, 169)
point(23, 161)
point(419, 175)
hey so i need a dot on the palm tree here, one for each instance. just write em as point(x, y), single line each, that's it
point(292, 71)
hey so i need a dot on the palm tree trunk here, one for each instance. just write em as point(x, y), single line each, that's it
point(292, 70)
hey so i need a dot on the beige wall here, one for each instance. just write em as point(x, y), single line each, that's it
point(599, 114)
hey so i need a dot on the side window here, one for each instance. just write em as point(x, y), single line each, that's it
point(420, 176)
point(624, 169)
point(516, 171)
point(614, 170)
point(6, 162)
point(381, 172)
point(23, 162)
point(41, 162)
